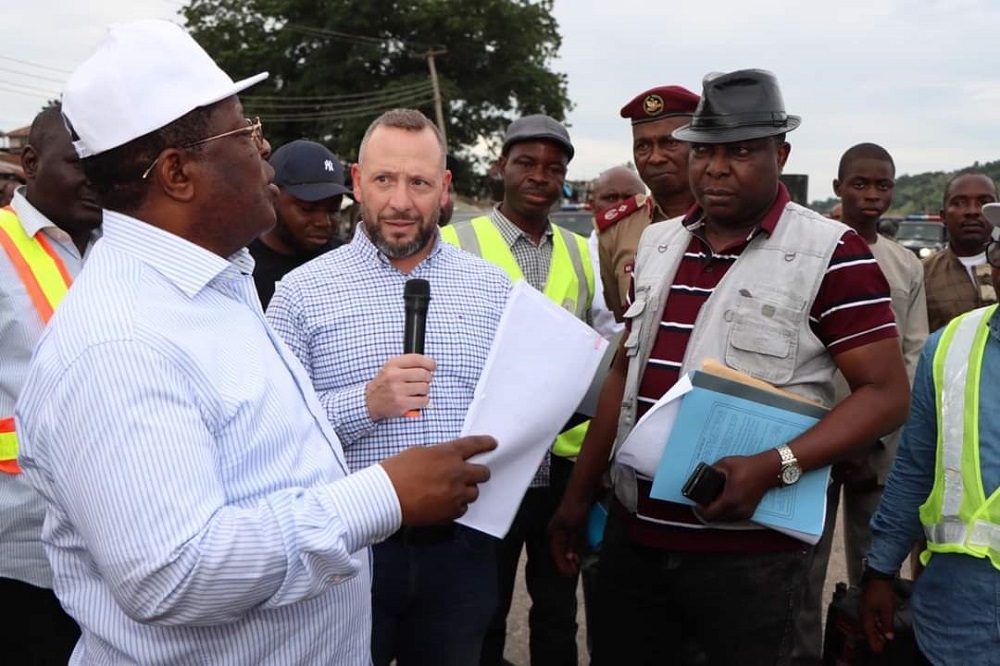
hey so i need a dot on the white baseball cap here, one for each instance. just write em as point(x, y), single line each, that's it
point(143, 76)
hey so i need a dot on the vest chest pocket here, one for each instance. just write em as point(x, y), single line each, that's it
point(764, 331)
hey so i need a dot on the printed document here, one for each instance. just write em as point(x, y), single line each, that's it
point(719, 418)
point(540, 365)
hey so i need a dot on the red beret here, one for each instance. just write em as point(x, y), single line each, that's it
point(661, 102)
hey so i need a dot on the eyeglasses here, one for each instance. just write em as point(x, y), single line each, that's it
point(253, 127)
point(993, 254)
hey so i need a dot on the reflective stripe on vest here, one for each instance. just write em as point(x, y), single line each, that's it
point(957, 516)
point(570, 282)
point(46, 280)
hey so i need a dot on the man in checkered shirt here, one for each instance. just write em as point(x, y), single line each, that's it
point(342, 314)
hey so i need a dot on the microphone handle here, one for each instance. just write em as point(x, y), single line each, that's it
point(415, 323)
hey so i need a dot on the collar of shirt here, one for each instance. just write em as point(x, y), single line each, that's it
point(694, 220)
point(363, 245)
point(188, 266)
point(32, 220)
point(511, 232)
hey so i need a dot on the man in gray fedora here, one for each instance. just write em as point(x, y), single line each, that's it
point(774, 290)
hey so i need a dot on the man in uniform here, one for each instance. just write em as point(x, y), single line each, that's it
point(44, 237)
point(518, 236)
point(662, 164)
point(943, 487)
point(957, 278)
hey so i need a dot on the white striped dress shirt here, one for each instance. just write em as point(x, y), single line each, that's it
point(198, 505)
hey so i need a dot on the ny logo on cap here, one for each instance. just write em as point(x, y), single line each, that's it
point(328, 165)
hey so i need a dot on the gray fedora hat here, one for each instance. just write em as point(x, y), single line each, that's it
point(738, 106)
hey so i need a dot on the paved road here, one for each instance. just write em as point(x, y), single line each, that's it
point(517, 622)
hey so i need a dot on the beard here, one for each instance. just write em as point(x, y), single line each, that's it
point(400, 249)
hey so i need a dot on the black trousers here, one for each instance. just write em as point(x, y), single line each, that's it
point(39, 632)
point(552, 618)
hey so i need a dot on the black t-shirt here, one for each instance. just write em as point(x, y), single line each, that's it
point(271, 266)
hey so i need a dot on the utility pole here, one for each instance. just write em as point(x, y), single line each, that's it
point(429, 54)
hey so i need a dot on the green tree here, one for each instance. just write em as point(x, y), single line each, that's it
point(336, 64)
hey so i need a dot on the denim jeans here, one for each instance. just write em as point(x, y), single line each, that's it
point(431, 604)
point(552, 618)
point(664, 607)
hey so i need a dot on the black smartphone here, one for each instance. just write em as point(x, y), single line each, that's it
point(704, 484)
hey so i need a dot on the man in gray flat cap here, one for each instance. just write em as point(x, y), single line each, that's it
point(769, 288)
point(518, 236)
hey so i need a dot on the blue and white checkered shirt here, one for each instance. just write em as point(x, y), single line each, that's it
point(199, 509)
point(342, 315)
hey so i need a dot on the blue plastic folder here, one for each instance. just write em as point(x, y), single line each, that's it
point(721, 417)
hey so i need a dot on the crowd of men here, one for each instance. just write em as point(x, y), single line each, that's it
point(212, 451)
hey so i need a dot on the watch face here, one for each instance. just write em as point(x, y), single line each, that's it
point(790, 474)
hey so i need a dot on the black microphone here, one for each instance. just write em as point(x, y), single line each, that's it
point(416, 296)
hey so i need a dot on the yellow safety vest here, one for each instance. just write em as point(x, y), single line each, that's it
point(957, 516)
point(46, 280)
point(570, 282)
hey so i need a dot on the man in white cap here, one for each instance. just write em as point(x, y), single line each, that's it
point(199, 508)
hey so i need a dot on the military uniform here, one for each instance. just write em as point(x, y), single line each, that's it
point(620, 226)
point(618, 230)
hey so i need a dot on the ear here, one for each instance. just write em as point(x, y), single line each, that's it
point(784, 150)
point(356, 180)
point(29, 162)
point(502, 163)
point(176, 174)
point(836, 187)
point(445, 188)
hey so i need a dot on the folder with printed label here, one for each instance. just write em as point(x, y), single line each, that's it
point(722, 416)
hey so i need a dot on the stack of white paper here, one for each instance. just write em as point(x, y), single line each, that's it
point(539, 367)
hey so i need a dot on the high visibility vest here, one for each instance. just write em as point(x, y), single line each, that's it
point(570, 282)
point(957, 516)
point(46, 280)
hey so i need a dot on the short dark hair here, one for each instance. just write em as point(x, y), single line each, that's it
point(116, 174)
point(48, 121)
point(963, 174)
point(864, 151)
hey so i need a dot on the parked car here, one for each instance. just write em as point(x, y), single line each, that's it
point(922, 234)
point(578, 221)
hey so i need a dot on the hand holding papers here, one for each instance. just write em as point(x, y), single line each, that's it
point(540, 365)
point(718, 417)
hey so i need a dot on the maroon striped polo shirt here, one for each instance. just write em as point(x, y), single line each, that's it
point(852, 309)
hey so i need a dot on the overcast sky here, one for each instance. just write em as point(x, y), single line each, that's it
point(916, 76)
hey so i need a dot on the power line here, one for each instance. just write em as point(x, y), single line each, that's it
point(32, 64)
point(387, 96)
point(350, 113)
point(335, 98)
point(24, 92)
point(33, 76)
point(27, 87)
point(357, 39)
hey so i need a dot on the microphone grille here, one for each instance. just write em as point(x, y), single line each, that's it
point(417, 287)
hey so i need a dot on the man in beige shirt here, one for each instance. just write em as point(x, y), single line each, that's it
point(865, 181)
point(662, 162)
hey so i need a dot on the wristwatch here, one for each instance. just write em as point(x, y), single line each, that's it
point(867, 573)
point(791, 471)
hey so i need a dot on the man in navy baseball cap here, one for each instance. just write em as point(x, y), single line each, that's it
point(311, 181)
